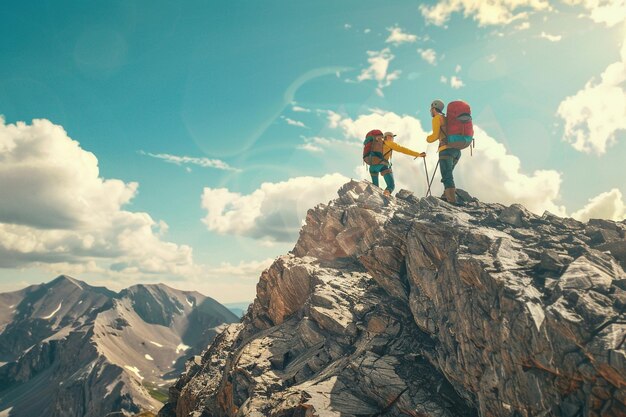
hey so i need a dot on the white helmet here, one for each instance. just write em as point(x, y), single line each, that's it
point(438, 105)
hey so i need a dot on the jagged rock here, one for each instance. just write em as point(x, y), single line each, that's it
point(515, 215)
point(617, 249)
point(415, 307)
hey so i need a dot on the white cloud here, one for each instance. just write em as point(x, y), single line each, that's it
point(310, 147)
point(226, 281)
point(299, 109)
point(61, 212)
point(609, 205)
point(551, 38)
point(457, 69)
point(503, 12)
point(250, 270)
point(455, 82)
point(190, 160)
point(367, 30)
point(397, 36)
point(379, 65)
point(609, 12)
point(319, 144)
point(347, 26)
point(496, 12)
point(232, 282)
point(429, 55)
point(595, 114)
point(294, 122)
point(492, 174)
point(274, 211)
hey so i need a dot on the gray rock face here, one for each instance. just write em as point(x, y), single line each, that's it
point(414, 307)
point(75, 350)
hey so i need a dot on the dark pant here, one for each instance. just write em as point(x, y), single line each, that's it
point(385, 171)
point(448, 159)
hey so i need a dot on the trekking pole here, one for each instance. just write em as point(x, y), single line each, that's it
point(427, 184)
point(431, 180)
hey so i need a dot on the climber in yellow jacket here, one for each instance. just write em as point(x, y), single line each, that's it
point(448, 156)
point(379, 157)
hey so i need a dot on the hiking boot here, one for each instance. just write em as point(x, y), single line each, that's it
point(387, 193)
point(450, 194)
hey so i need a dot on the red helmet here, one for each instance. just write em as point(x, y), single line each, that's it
point(375, 132)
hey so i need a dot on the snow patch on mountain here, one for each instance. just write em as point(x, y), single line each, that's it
point(134, 370)
point(181, 348)
point(54, 312)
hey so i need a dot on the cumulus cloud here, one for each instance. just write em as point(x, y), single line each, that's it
point(455, 82)
point(429, 55)
point(226, 281)
point(497, 12)
point(493, 174)
point(190, 160)
point(609, 205)
point(231, 282)
point(496, 175)
point(378, 69)
point(551, 38)
point(61, 212)
point(274, 211)
point(250, 270)
point(609, 12)
point(594, 115)
point(397, 36)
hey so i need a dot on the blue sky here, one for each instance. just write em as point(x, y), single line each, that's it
point(192, 136)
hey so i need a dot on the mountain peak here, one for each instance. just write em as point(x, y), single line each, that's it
point(412, 306)
point(67, 280)
point(89, 342)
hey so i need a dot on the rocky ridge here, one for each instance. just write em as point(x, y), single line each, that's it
point(69, 349)
point(414, 307)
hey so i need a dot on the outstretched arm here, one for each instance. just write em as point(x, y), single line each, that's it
point(436, 130)
point(402, 149)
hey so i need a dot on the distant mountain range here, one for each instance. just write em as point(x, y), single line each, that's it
point(69, 349)
point(239, 309)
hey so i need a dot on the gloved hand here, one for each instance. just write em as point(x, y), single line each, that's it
point(422, 155)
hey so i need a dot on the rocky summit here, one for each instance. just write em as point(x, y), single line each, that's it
point(413, 307)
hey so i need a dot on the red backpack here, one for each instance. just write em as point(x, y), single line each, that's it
point(373, 148)
point(459, 127)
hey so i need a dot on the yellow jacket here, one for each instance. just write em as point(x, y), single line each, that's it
point(389, 146)
point(439, 123)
